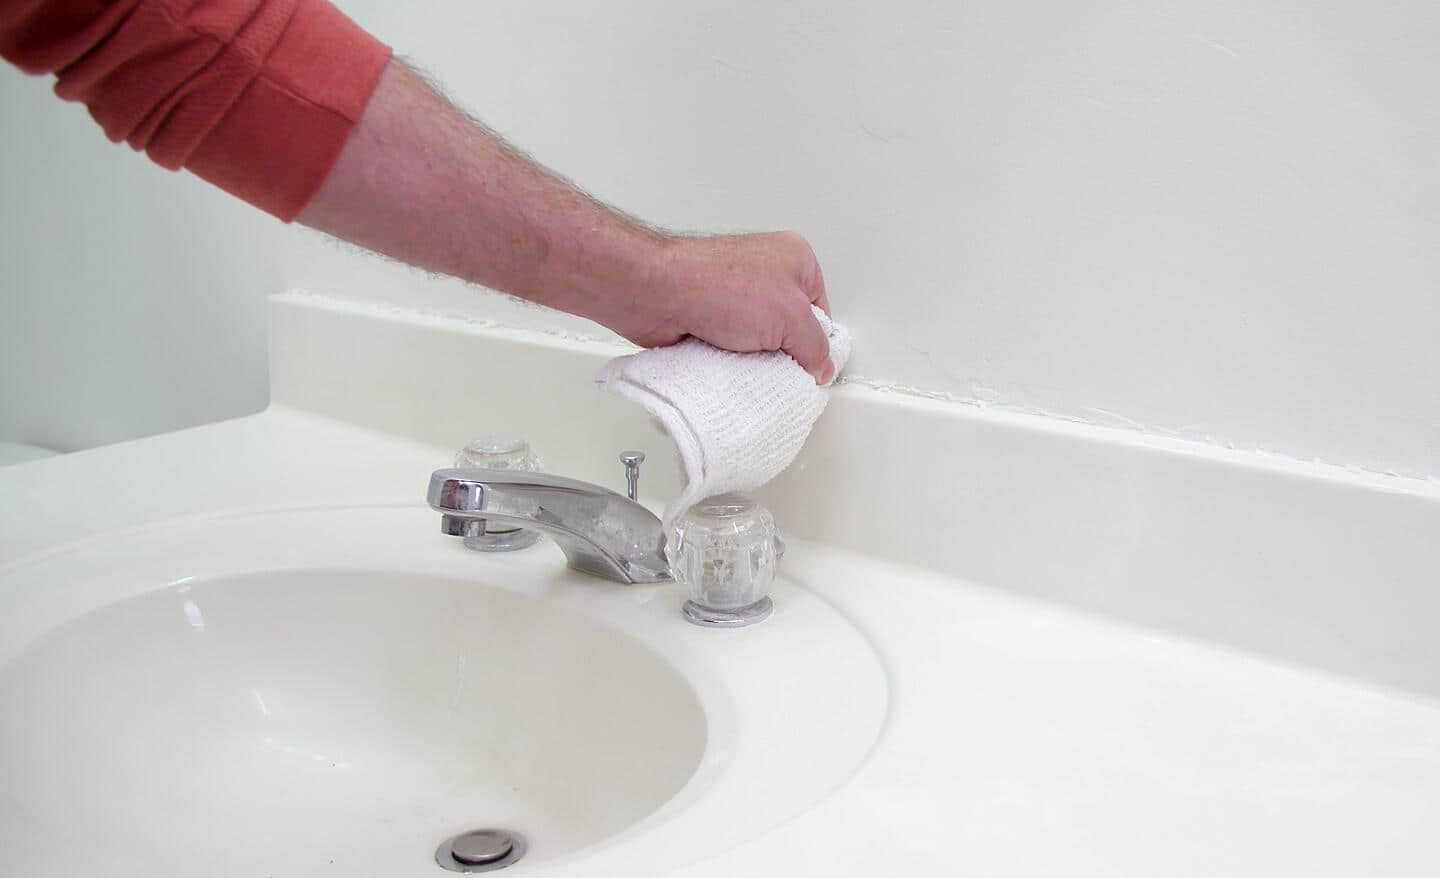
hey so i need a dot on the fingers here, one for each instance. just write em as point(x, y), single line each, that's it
point(812, 279)
point(806, 342)
point(817, 292)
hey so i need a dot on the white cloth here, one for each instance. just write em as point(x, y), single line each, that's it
point(737, 419)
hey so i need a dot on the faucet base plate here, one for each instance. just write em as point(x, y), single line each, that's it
point(709, 617)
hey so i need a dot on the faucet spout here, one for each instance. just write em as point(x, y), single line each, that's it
point(599, 531)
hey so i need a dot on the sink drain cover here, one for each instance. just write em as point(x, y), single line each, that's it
point(481, 850)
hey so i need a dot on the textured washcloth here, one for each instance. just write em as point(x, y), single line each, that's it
point(737, 419)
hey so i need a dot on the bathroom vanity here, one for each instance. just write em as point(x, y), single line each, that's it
point(1000, 645)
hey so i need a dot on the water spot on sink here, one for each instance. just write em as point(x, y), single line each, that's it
point(194, 616)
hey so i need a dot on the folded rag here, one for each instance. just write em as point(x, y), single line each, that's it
point(737, 419)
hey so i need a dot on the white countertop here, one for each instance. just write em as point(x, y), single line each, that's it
point(1021, 738)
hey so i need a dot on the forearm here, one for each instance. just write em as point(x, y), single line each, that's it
point(260, 97)
point(421, 182)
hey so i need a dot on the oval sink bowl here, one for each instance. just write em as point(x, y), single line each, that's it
point(305, 706)
point(272, 694)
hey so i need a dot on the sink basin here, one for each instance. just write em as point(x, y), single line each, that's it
point(307, 705)
point(273, 693)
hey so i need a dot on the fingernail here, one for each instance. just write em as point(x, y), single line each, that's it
point(827, 372)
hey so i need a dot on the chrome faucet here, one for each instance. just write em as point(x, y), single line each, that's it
point(599, 531)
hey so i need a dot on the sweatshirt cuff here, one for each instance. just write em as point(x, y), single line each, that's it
point(276, 144)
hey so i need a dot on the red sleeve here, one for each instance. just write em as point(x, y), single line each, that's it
point(256, 96)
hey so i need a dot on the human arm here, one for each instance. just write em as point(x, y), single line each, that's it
point(423, 183)
point(296, 109)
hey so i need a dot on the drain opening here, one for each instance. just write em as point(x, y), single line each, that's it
point(481, 850)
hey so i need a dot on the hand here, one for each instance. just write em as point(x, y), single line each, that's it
point(738, 292)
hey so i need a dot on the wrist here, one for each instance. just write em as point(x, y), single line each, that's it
point(630, 284)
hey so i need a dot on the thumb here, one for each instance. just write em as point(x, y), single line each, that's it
point(806, 341)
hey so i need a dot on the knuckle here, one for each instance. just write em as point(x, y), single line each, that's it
point(810, 277)
point(777, 337)
point(806, 264)
point(798, 245)
point(797, 315)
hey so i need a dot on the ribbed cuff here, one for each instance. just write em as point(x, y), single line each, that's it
point(277, 143)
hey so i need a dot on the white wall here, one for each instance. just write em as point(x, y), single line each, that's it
point(1212, 219)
